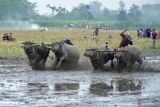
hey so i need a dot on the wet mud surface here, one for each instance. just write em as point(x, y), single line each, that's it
point(20, 86)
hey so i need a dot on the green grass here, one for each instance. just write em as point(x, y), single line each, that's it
point(13, 49)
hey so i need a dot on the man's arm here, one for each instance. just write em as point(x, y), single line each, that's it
point(123, 32)
point(123, 35)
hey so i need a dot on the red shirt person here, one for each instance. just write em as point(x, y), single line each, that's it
point(154, 36)
point(126, 39)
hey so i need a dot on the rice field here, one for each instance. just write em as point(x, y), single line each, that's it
point(13, 48)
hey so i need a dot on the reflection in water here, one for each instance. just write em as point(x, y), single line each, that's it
point(123, 85)
point(128, 85)
point(53, 89)
point(37, 87)
point(66, 86)
point(100, 89)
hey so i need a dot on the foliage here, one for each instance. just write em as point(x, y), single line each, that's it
point(151, 13)
point(146, 16)
point(16, 9)
point(122, 12)
point(91, 14)
point(134, 13)
point(82, 11)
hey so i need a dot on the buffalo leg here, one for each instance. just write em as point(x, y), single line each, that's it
point(139, 60)
point(100, 61)
point(55, 62)
point(112, 64)
point(61, 59)
point(129, 67)
point(121, 65)
point(94, 64)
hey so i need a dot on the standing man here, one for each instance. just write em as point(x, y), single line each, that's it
point(96, 33)
point(154, 36)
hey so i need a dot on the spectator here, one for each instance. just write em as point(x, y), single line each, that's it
point(96, 33)
point(154, 36)
point(8, 37)
point(148, 33)
point(140, 33)
point(84, 35)
point(5, 37)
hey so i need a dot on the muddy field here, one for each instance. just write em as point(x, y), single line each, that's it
point(20, 86)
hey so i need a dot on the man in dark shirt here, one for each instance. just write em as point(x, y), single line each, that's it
point(96, 31)
point(126, 39)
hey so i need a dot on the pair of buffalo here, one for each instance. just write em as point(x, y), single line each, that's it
point(126, 57)
point(65, 53)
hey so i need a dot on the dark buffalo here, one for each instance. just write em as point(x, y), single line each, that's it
point(37, 54)
point(100, 56)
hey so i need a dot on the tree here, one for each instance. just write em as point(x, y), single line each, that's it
point(58, 12)
point(106, 13)
point(53, 9)
point(62, 13)
point(150, 12)
point(121, 5)
point(81, 12)
point(122, 12)
point(134, 13)
point(16, 9)
point(95, 9)
point(122, 16)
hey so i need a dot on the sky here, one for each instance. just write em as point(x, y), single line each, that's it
point(69, 4)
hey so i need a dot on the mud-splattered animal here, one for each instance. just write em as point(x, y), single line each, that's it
point(37, 54)
point(128, 56)
point(66, 54)
point(100, 56)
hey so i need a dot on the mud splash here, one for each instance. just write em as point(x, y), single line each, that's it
point(21, 86)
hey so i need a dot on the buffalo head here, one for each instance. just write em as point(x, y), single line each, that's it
point(37, 54)
point(28, 47)
point(91, 53)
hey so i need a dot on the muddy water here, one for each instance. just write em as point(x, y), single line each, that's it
point(22, 87)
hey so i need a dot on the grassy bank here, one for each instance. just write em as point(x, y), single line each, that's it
point(11, 49)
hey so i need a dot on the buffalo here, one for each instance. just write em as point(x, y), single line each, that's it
point(127, 56)
point(100, 56)
point(37, 54)
point(66, 54)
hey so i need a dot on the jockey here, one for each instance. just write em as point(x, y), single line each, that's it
point(126, 39)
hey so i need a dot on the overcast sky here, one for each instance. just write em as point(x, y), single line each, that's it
point(69, 4)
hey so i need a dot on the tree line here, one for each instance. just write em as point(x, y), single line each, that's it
point(93, 11)
point(17, 9)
